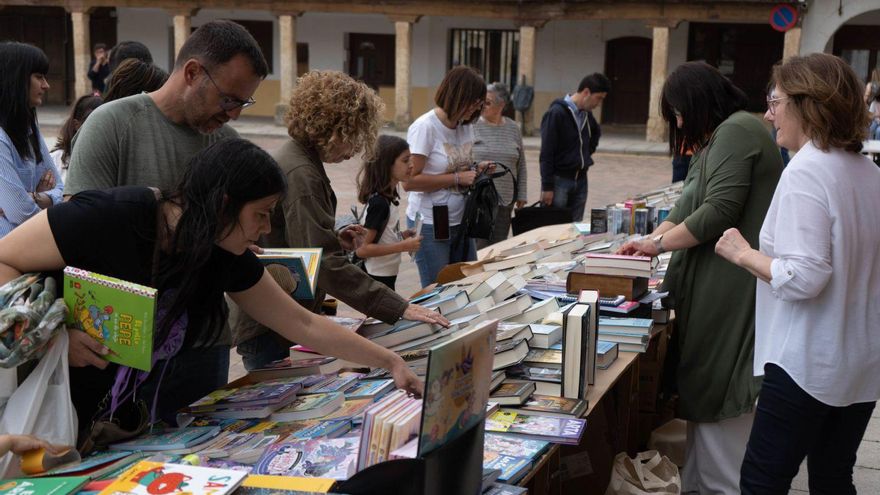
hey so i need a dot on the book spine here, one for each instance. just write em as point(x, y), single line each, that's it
point(110, 282)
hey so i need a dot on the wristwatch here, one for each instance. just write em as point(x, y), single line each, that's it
point(658, 244)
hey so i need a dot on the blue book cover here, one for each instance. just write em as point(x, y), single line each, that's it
point(635, 323)
point(369, 389)
point(512, 468)
point(170, 439)
point(295, 269)
point(325, 429)
point(604, 346)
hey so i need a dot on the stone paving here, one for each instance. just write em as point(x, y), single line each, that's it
point(625, 165)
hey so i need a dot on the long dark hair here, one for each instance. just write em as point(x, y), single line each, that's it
point(705, 99)
point(81, 109)
point(18, 61)
point(133, 77)
point(375, 174)
point(218, 182)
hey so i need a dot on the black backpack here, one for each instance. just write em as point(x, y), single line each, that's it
point(481, 204)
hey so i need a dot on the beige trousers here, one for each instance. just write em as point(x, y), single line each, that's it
point(714, 455)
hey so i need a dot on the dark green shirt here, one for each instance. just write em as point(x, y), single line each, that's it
point(729, 184)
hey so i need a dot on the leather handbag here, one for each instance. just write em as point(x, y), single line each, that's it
point(538, 215)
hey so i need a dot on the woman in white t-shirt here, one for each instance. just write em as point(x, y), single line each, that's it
point(440, 142)
point(818, 271)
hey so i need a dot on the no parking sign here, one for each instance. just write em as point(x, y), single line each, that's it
point(783, 17)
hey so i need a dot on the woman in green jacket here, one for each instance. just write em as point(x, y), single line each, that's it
point(730, 183)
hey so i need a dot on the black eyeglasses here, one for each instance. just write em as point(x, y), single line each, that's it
point(228, 103)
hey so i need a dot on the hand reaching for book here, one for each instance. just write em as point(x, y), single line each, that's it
point(420, 313)
point(405, 379)
point(19, 444)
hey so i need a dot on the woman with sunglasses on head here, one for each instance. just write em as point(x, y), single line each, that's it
point(818, 271)
point(441, 142)
point(730, 181)
point(29, 181)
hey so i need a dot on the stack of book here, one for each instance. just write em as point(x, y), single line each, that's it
point(630, 334)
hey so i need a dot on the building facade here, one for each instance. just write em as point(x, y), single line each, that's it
point(403, 48)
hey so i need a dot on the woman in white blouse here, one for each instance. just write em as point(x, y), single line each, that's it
point(817, 306)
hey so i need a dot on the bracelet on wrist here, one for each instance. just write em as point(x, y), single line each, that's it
point(455, 174)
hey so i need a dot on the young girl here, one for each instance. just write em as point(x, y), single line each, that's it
point(64, 145)
point(377, 188)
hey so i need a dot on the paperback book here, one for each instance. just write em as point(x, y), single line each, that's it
point(552, 429)
point(324, 458)
point(148, 478)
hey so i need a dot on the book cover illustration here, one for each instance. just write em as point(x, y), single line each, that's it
point(117, 313)
point(43, 486)
point(325, 458)
point(295, 269)
point(552, 404)
point(457, 385)
point(515, 446)
point(369, 389)
point(558, 430)
point(329, 429)
point(170, 440)
point(259, 484)
point(257, 394)
point(149, 478)
point(512, 468)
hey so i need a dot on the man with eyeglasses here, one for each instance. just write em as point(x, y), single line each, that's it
point(148, 140)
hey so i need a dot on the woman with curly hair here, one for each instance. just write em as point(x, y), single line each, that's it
point(331, 118)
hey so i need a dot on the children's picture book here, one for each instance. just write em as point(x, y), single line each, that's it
point(172, 439)
point(324, 458)
point(43, 486)
point(259, 484)
point(295, 269)
point(310, 406)
point(87, 465)
point(514, 445)
point(512, 468)
point(149, 478)
point(548, 405)
point(271, 393)
point(119, 314)
point(552, 429)
point(369, 389)
point(352, 410)
point(323, 429)
point(332, 384)
point(457, 385)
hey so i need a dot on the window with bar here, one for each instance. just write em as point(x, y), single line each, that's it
point(493, 52)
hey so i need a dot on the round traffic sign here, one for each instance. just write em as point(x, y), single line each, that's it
point(783, 17)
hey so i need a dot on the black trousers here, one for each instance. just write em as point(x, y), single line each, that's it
point(789, 425)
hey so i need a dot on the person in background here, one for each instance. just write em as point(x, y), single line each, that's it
point(331, 118)
point(731, 180)
point(569, 137)
point(377, 189)
point(148, 140)
point(872, 88)
point(28, 179)
point(191, 244)
point(80, 111)
point(441, 143)
point(874, 111)
point(818, 271)
point(681, 161)
point(498, 138)
point(134, 77)
point(99, 67)
point(125, 50)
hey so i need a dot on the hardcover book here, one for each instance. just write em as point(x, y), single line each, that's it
point(148, 478)
point(43, 486)
point(548, 405)
point(457, 386)
point(296, 269)
point(512, 393)
point(514, 445)
point(275, 392)
point(119, 314)
point(258, 484)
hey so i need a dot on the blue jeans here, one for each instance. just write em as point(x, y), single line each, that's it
point(790, 425)
point(434, 255)
point(874, 130)
point(261, 350)
point(570, 193)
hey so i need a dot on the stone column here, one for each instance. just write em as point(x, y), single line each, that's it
point(656, 131)
point(792, 42)
point(526, 72)
point(182, 29)
point(403, 70)
point(288, 62)
point(82, 52)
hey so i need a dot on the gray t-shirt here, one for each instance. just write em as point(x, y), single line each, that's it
point(130, 142)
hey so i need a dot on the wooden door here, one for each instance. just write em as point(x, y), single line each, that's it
point(371, 58)
point(628, 65)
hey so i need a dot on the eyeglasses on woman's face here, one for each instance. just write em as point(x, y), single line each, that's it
point(773, 102)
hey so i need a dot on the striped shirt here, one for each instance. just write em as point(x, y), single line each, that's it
point(502, 143)
point(19, 178)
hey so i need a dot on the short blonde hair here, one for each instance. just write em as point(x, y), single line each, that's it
point(827, 97)
point(329, 108)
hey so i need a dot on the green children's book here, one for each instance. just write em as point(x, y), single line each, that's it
point(43, 486)
point(119, 314)
point(295, 269)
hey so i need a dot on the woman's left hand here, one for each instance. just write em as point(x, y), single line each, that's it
point(732, 246)
point(405, 379)
point(519, 204)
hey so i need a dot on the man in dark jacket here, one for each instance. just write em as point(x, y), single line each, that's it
point(569, 137)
